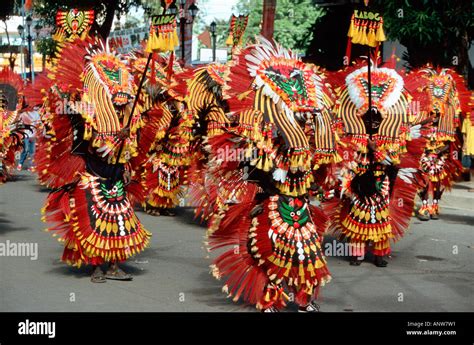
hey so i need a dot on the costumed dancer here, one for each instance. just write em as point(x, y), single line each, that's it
point(204, 88)
point(90, 142)
point(12, 132)
point(55, 96)
point(263, 170)
point(378, 174)
point(448, 100)
point(165, 138)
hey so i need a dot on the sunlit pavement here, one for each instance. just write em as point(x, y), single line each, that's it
point(431, 268)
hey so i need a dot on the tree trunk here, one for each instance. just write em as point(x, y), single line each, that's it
point(12, 60)
point(464, 56)
point(268, 25)
point(104, 29)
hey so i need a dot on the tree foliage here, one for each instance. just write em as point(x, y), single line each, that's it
point(436, 31)
point(294, 20)
point(46, 46)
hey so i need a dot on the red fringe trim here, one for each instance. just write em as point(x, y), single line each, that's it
point(56, 165)
point(72, 224)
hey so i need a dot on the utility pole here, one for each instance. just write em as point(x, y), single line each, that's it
point(268, 25)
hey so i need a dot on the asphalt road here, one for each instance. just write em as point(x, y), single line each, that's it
point(431, 268)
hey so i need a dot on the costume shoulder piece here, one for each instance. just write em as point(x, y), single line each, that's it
point(391, 105)
point(11, 130)
point(273, 93)
point(107, 98)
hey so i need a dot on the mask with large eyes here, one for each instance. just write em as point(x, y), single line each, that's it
point(378, 89)
point(290, 83)
point(385, 91)
point(113, 77)
point(440, 87)
point(288, 79)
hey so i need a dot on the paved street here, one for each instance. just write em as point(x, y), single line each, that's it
point(431, 269)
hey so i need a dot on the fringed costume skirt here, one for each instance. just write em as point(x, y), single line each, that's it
point(95, 220)
point(280, 246)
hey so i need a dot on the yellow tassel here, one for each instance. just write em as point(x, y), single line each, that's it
point(230, 40)
point(380, 35)
point(151, 44)
point(301, 271)
point(356, 37)
point(363, 39)
point(351, 31)
point(371, 37)
point(175, 39)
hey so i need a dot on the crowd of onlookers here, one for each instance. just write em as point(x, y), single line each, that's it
point(468, 149)
point(26, 159)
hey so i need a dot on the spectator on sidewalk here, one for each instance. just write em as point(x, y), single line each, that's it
point(29, 118)
point(468, 145)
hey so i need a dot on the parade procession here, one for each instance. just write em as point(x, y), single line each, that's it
point(226, 167)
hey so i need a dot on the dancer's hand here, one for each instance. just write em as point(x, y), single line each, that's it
point(256, 210)
point(415, 131)
point(371, 145)
point(124, 133)
point(127, 178)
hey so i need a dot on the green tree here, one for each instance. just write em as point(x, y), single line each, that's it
point(293, 21)
point(436, 31)
point(46, 46)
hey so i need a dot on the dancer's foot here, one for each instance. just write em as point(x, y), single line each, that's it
point(423, 213)
point(355, 261)
point(313, 307)
point(115, 273)
point(98, 275)
point(167, 212)
point(152, 211)
point(380, 262)
point(434, 211)
point(271, 309)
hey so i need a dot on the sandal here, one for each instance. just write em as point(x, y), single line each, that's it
point(98, 276)
point(271, 309)
point(354, 261)
point(313, 307)
point(167, 212)
point(115, 273)
point(152, 211)
point(379, 261)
